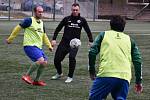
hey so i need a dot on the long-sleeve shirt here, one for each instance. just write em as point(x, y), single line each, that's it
point(135, 56)
point(72, 28)
point(36, 36)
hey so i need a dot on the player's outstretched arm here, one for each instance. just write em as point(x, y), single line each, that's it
point(14, 33)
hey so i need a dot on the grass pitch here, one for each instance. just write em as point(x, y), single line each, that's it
point(14, 63)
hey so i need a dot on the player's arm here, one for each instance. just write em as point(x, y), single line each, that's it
point(94, 50)
point(47, 42)
point(87, 30)
point(14, 33)
point(23, 24)
point(137, 62)
point(58, 29)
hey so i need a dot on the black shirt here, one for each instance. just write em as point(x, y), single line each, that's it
point(72, 28)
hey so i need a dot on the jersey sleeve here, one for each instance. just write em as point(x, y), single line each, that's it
point(87, 30)
point(14, 33)
point(26, 22)
point(46, 41)
point(59, 27)
point(137, 61)
point(94, 50)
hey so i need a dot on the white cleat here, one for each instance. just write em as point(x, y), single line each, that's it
point(57, 76)
point(68, 80)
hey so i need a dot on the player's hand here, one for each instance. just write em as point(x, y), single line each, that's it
point(8, 42)
point(90, 44)
point(138, 88)
point(53, 42)
point(51, 49)
point(92, 76)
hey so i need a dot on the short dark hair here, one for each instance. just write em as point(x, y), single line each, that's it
point(75, 4)
point(117, 23)
point(35, 7)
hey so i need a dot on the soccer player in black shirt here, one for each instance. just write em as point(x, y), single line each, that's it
point(72, 29)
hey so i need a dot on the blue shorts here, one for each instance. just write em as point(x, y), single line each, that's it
point(34, 53)
point(102, 86)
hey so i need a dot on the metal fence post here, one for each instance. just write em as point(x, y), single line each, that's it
point(94, 10)
point(32, 7)
point(9, 11)
point(75, 1)
point(54, 10)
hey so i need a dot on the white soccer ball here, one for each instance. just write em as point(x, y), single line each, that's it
point(75, 43)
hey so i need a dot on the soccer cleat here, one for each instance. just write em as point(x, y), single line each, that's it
point(57, 76)
point(39, 83)
point(68, 80)
point(27, 79)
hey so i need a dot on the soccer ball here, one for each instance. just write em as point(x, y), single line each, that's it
point(75, 43)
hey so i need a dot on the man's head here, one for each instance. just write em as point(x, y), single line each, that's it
point(117, 23)
point(75, 9)
point(38, 11)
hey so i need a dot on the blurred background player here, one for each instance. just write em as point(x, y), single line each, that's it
point(34, 36)
point(117, 52)
point(72, 29)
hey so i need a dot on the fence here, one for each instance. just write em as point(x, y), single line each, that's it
point(90, 9)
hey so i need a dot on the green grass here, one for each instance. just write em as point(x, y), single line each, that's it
point(14, 63)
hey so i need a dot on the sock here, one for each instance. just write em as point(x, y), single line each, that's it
point(32, 68)
point(39, 72)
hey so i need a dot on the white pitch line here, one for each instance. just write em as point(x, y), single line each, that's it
point(138, 30)
point(139, 34)
point(130, 32)
point(134, 33)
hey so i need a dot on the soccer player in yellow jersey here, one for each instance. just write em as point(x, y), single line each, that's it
point(34, 36)
point(117, 51)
